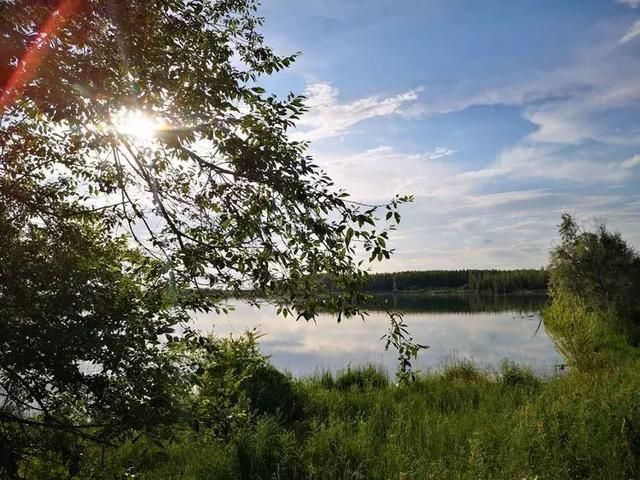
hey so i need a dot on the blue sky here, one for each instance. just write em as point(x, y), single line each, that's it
point(496, 115)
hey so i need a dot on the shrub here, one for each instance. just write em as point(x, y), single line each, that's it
point(369, 377)
point(267, 451)
point(514, 375)
point(465, 371)
point(577, 331)
point(272, 392)
point(237, 384)
point(326, 380)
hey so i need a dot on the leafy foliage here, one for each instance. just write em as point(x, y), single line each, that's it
point(571, 426)
point(217, 199)
point(597, 267)
point(515, 375)
point(578, 332)
point(400, 339)
point(361, 378)
point(465, 371)
point(594, 280)
point(80, 321)
point(233, 382)
point(220, 194)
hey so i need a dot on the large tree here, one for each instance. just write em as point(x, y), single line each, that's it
point(146, 118)
point(220, 193)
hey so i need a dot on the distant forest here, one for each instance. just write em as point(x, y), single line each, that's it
point(497, 281)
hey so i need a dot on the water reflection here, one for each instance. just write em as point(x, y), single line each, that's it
point(484, 329)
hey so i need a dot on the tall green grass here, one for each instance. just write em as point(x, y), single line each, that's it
point(461, 423)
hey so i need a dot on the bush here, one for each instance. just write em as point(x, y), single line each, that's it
point(326, 380)
point(464, 371)
point(365, 378)
point(514, 375)
point(578, 332)
point(272, 392)
point(237, 384)
point(579, 425)
point(601, 273)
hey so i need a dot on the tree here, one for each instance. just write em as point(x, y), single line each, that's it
point(598, 267)
point(81, 316)
point(594, 310)
point(146, 117)
point(220, 194)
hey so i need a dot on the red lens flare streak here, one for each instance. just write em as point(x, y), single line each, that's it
point(35, 53)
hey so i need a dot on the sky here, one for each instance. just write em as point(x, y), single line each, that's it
point(497, 116)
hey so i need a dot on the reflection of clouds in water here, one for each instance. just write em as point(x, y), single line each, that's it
point(306, 347)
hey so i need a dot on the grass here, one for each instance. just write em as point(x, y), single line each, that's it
point(460, 423)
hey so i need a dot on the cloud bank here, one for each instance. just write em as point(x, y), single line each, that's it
point(329, 118)
point(579, 156)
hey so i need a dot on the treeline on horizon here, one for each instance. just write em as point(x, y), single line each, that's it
point(456, 302)
point(497, 281)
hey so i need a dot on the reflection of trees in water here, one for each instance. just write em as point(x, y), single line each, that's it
point(458, 303)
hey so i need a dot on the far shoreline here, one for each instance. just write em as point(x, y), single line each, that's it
point(449, 291)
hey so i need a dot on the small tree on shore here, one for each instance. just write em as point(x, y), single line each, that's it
point(594, 284)
point(598, 267)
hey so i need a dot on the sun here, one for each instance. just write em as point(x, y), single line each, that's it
point(137, 124)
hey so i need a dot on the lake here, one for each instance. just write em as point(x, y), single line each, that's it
point(482, 328)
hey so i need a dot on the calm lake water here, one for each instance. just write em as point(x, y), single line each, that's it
point(485, 329)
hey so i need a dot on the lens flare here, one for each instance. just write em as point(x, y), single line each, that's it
point(137, 124)
point(35, 53)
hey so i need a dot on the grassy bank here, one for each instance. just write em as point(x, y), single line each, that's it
point(461, 423)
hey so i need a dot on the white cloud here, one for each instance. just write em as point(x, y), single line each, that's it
point(631, 162)
point(576, 102)
point(328, 117)
point(630, 3)
point(439, 152)
point(503, 214)
point(459, 219)
point(381, 172)
point(559, 125)
point(531, 160)
point(632, 33)
point(492, 200)
point(506, 230)
point(566, 104)
point(542, 86)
